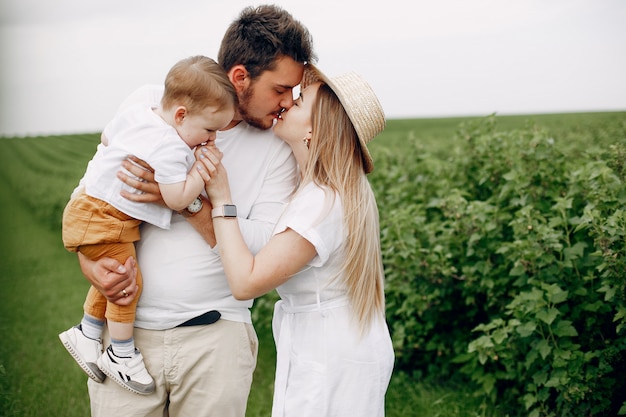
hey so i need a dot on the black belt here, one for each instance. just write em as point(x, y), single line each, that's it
point(206, 318)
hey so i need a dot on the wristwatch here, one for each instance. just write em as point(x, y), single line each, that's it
point(227, 210)
point(193, 208)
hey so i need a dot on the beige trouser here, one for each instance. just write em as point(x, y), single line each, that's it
point(200, 371)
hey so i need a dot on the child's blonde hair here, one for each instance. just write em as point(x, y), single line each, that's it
point(198, 82)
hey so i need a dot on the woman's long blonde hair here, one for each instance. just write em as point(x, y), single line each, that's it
point(335, 162)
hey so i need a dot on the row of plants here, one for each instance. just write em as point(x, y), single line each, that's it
point(505, 263)
point(504, 252)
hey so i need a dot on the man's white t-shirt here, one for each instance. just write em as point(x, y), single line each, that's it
point(183, 276)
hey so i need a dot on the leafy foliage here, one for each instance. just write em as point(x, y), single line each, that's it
point(506, 263)
point(504, 251)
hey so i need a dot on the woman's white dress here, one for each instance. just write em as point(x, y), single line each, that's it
point(325, 367)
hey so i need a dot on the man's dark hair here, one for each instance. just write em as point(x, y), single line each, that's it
point(262, 34)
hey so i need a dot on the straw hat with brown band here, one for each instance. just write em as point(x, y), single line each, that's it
point(359, 101)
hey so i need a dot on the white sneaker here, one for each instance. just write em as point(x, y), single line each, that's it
point(85, 351)
point(130, 373)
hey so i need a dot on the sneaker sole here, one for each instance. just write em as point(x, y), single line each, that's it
point(68, 346)
point(119, 382)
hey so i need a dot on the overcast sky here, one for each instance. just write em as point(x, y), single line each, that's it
point(66, 65)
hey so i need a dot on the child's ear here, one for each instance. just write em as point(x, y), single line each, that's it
point(179, 114)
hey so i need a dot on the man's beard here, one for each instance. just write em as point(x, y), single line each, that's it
point(244, 104)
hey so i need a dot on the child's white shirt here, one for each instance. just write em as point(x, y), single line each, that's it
point(137, 130)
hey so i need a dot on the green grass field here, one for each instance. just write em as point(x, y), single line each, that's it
point(42, 289)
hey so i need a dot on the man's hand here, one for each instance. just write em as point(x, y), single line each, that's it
point(115, 281)
point(150, 192)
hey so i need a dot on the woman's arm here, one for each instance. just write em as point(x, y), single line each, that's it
point(110, 278)
point(250, 276)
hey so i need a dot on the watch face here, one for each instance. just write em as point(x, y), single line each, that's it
point(230, 211)
point(195, 206)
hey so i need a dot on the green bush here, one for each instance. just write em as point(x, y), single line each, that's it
point(505, 265)
point(504, 251)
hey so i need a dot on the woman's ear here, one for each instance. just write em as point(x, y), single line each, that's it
point(179, 114)
point(239, 77)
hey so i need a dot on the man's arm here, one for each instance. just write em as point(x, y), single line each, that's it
point(203, 222)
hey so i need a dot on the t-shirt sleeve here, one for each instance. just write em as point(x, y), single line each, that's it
point(171, 160)
point(317, 216)
point(148, 95)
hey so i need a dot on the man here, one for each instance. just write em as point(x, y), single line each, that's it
point(197, 341)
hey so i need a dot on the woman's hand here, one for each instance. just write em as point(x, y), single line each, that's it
point(209, 165)
point(113, 280)
point(149, 189)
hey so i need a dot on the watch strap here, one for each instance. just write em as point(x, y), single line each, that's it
point(227, 211)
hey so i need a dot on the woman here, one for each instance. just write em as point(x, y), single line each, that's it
point(335, 356)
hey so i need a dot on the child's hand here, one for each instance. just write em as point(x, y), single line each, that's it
point(210, 167)
point(200, 150)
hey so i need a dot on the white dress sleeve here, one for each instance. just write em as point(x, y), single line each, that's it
point(317, 216)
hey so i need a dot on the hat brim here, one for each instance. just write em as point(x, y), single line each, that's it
point(360, 103)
